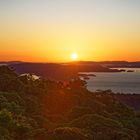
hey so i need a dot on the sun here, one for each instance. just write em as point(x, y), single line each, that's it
point(74, 56)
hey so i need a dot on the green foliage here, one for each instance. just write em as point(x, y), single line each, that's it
point(6, 120)
point(78, 111)
point(40, 109)
point(94, 120)
point(69, 133)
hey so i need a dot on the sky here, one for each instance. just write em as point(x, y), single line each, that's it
point(51, 30)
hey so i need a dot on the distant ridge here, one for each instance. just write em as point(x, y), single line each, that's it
point(10, 62)
point(110, 64)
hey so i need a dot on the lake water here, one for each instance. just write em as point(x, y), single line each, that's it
point(122, 82)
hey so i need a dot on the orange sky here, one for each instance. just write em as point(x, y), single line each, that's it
point(51, 31)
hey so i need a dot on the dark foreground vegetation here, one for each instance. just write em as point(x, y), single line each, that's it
point(48, 110)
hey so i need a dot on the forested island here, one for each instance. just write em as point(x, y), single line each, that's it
point(64, 71)
point(57, 71)
point(43, 109)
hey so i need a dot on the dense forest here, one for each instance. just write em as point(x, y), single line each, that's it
point(41, 109)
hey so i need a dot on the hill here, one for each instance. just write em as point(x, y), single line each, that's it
point(60, 72)
point(41, 109)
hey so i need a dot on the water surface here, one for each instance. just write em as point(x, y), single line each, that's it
point(122, 82)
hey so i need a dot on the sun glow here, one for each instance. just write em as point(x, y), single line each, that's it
point(74, 56)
